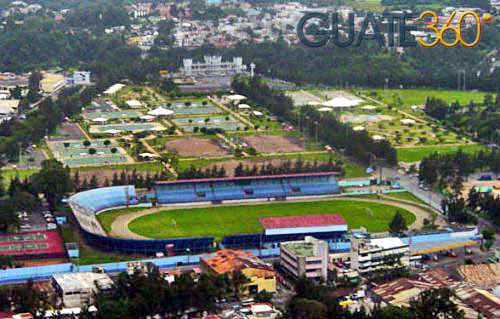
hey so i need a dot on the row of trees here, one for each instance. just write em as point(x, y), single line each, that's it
point(443, 169)
point(125, 177)
point(326, 126)
point(285, 167)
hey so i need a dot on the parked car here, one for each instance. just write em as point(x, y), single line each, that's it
point(485, 178)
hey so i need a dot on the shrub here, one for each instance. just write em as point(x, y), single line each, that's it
point(114, 150)
point(86, 143)
point(66, 144)
point(107, 142)
point(92, 151)
point(204, 103)
point(196, 129)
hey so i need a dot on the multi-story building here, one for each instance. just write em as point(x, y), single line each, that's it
point(51, 82)
point(78, 289)
point(308, 257)
point(213, 66)
point(79, 78)
point(369, 255)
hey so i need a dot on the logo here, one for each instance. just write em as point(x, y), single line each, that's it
point(450, 25)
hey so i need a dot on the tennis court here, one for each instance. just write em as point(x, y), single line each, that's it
point(83, 152)
point(227, 123)
point(127, 127)
point(93, 160)
point(115, 115)
point(78, 144)
point(194, 108)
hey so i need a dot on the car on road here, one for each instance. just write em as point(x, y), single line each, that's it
point(485, 178)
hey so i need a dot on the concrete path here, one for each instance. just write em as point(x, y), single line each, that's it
point(119, 227)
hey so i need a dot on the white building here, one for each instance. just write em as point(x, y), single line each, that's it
point(308, 257)
point(212, 66)
point(368, 255)
point(77, 289)
point(79, 78)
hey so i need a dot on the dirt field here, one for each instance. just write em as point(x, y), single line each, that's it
point(196, 147)
point(68, 131)
point(230, 165)
point(275, 144)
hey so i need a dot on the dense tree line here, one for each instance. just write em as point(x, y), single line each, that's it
point(125, 177)
point(443, 169)
point(286, 167)
point(482, 121)
point(328, 127)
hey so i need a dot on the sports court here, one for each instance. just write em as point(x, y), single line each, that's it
point(32, 245)
point(303, 98)
point(127, 127)
point(194, 108)
point(115, 115)
point(93, 160)
point(227, 123)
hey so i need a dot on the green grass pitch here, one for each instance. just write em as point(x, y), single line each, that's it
point(227, 220)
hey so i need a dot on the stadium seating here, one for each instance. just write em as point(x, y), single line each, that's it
point(252, 188)
point(102, 198)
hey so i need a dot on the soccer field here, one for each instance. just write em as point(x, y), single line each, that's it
point(220, 221)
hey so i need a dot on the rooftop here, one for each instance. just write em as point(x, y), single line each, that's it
point(301, 249)
point(82, 281)
point(302, 221)
point(227, 260)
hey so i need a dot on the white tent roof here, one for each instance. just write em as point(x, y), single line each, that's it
point(369, 107)
point(325, 109)
point(134, 103)
point(408, 121)
point(358, 128)
point(112, 131)
point(313, 103)
point(257, 113)
point(160, 111)
point(244, 106)
point(148, 155)
point(147, 117)
point(236, 97)
point(100, 119)
point(342, 102)
point(158, 129)
point(378, 137)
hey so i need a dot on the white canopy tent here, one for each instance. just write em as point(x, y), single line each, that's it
point(369, 107)
point(244, 107)
point(313, 103)
point(408, 122)
point(342, 102)
point(134, 104)
point(378, 137)
point(100, 119)
point(112, 131)
point(161, 111)
point(148, 155)
point(147, 117)
point(325, 109)
point(236, 97)
point(358, 128)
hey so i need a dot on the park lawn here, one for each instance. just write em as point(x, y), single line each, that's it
point(10, 174)
point(406, 196)
point(418, 96)
point(220, 221)
point(107, 218)
point(415, 154)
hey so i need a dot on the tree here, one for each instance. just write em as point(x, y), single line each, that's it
point(53, 180)
point(23, 201)
point(397, 224)
point(34, 86)
point(301, 308)
point(239, 280)
point(8, 217)
point(435, 303)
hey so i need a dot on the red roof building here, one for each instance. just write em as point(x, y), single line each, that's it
point(303, 224)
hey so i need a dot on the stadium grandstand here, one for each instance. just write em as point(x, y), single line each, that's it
point(331, 228)
point(217, 190)
point(86, 205)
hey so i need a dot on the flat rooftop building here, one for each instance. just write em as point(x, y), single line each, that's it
point(308, 257)
point(77, 289)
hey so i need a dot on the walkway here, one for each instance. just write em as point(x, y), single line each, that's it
point(152, 150)
point(236, 115)
point(119, 227)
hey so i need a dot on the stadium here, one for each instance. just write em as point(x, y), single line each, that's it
point(88, 204)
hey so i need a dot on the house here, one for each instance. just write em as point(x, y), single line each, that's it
point(261, 276)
